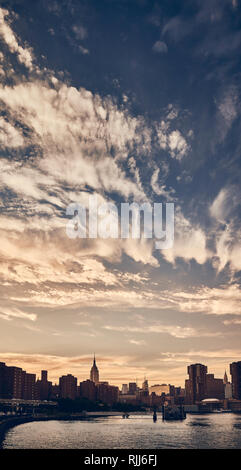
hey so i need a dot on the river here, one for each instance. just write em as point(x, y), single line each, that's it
point(215, 430)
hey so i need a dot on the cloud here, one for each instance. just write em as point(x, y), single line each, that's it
point(70, 121)
point(83, 50)
point(80, 31)
point(177, 144)
point(140, 250)
point(160, 47)
point(228, 106)
point(11, 313)
point(228, 248)
point(193, 354)
point(172, 140)
point(177, 28)
point(76, 296)
point(162, 131)
point(232, 322)
point(161, 189)
point(137, 342)
point(217, 301)
point(217, 208)
point(224, 210)
point(24, 54)
point(9, 135)
point(217, 360)
point(228, 109)
point(189, 242)
point(173, 330)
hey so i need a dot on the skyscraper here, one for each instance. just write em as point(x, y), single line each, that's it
point(132, 388)
point(225, 379)
point(235, 371)
point(196, 385)
point(124, 390)
point(145, 385)
point(94, 373)
point(14, 382)
point(228, 392)
point(43, 387)
point(28, 386)
point(44, 375)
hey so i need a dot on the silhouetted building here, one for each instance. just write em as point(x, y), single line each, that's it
point(16, 383)
point(55, 392)
point(228, 392)
point(68, 386)
point(108, 394)
point(163, 388)
point(124, 389)
point(2, 380)
point(156, 400)
point(214, 387)
point(132, 388)
point(143, 393)
point(28, 386)
point(143, 397)
point(196, 385)
point(131, 399)
point(225, 378)
point(145, 385)
point(87, 389)
point(179, 395)
point(94, 373)
point(13, 382)
point(43, 387)
point(235, 371)
point(44, 375)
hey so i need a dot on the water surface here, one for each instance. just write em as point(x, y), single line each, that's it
point(216, 431)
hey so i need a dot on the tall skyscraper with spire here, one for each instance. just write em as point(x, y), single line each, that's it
point(225, 379)
point(145, 385)
point(94, 373)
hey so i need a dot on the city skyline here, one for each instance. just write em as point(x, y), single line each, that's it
point(132, 102)
point(96, 376)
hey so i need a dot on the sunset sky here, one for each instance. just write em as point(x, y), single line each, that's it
point(132, 100)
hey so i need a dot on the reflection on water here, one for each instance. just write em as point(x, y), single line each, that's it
point(218, 431)
point(199, 424)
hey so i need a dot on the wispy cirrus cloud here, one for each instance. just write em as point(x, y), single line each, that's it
point(173, 330)
point(24, 54)
point(13, 313)
point(218, 301)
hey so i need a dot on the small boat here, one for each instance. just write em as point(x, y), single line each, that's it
point(173, 413)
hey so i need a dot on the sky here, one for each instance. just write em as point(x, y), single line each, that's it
point(133, 101)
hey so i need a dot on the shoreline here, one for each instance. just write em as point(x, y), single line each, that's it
point(12, 422)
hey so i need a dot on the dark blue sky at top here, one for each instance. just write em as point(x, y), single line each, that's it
point(203, 60)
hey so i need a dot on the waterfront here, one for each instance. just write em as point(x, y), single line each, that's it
point(210, 431)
